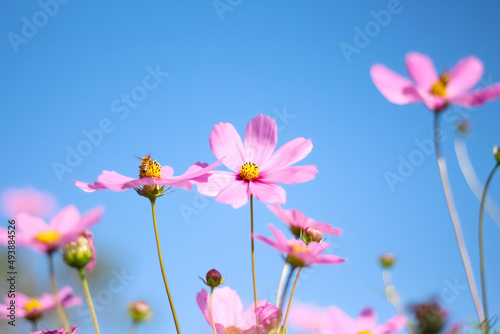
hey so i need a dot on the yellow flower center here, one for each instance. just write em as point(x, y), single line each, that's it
point(232, 330)
point(297, 249)
point(439, 88)
point(364, 332)
point(33, 305)
point(149, 168)
point(47, 237)
point(249, 171)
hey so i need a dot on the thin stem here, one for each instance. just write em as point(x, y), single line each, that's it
point(291, 297)
point(133, 328)
point(393, 297)
point(481, 248)
point(454, 218)
point(280, 286)
point(160, 257)
point(211, 311)
point(55, 293)
point(287, 284)
point(89, 300)
point(253, 258)
point(33, 324)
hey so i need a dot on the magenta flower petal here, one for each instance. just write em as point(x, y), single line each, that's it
point(261, 136)
point(477, 97)
point(107, 180)
point(29, 225)
point(65, 219)
point(216, 182)
point(297, 219)
point(465, 75)
point(394, 87)
point(29, 200)
point(367, 319)
point(268, 192)
point(90, 237)
point(292, 152)
point(421, 70)
point(236, 193)
point(227, 306)
point(226, 144)
point(291, 175)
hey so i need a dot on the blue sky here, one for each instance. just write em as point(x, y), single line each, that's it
point(86, 67)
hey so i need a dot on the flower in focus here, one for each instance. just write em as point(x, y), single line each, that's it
point(229, 316)
point(254, 165)
point(297, 221)
point(140, 311)
point(214, 279)
point(65, 227)
point(366, 323)
point(81, 253)
point(436, 92)
point(387, 260)
point(29, 200)
point(152, 179)
point(57, 331)
point(34, 308)
point(300, 254)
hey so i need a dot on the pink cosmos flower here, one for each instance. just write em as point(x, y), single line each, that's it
point(298, 253)
point(197, 173)
point(66, 226)
point(58, 331)
point(298, 221)
point(229, 316)
point(309, 318)
point(340, 323)
point(254, 167)
point(436, 92)
point(33, 308)
point(29, 200)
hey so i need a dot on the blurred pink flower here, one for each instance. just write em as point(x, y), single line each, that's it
point(29, 200)
point(298, 253)
point(66, 226)
point(33, 308)
point(57, 331)
point(229, 316)
point(198, 172)
point(309, 318)
point(340, 323)
point(436, 92)
point(254, 166)
point(298, 221)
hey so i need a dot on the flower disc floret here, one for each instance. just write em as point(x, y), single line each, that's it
point(249, 171)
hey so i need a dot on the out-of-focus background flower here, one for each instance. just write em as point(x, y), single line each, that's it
point(89, 85)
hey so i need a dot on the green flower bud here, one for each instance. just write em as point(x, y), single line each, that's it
point(387, 260)
point(77, 254)
point(431, 318)
point(214, 279)
point(496, 153)
point(140, 311)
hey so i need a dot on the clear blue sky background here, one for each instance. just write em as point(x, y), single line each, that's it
point(270, 57)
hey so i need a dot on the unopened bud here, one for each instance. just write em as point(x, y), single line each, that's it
point(430, 317)
point(387, 260)
point(140, 311)
point(78, 254)
point(463, 127)
point(214, 278)
point(496, 153)
point(314, 234)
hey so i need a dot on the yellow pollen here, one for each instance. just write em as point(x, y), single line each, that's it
point(232, 330)
point(300, 249)
point(47, 237)
point(364, 332)
point(33, 306)
point(439, 88)
point(249, 171)
point(152, 170)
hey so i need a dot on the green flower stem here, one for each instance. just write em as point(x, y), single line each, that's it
point(89, 300)
point(55, 293)
point(287, 285)
point(253, 258)
point(160, 257)
point(455, 220)
point(280, 286)
point(211, 311)
point(290, 301)
point(486, 326)
point(34, 325)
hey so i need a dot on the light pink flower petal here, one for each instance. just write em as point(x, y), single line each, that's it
point(393, 325)
point(279, 235)
point(281, 213)
point(268, 192)
point(91, 218)
point(216, 182)
point(431, 101)
point(290, 175)
point(90, 237)
point(236, 193)
point(65, 220)
point(269, 315)
point(320, 259)
point(465, 75)
point(261, 136)
point(326, 228)
point(478, 97)
point(309, 318)
point(421, 70)
point(247, 319)
point(394, 87)
point(107, 180)
point(196, 174)
point(367, 320)
point(288, 154)
point(29, 225)
point(341, 322)
point(29, 200)
point(227, 306)
point(226, 144)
